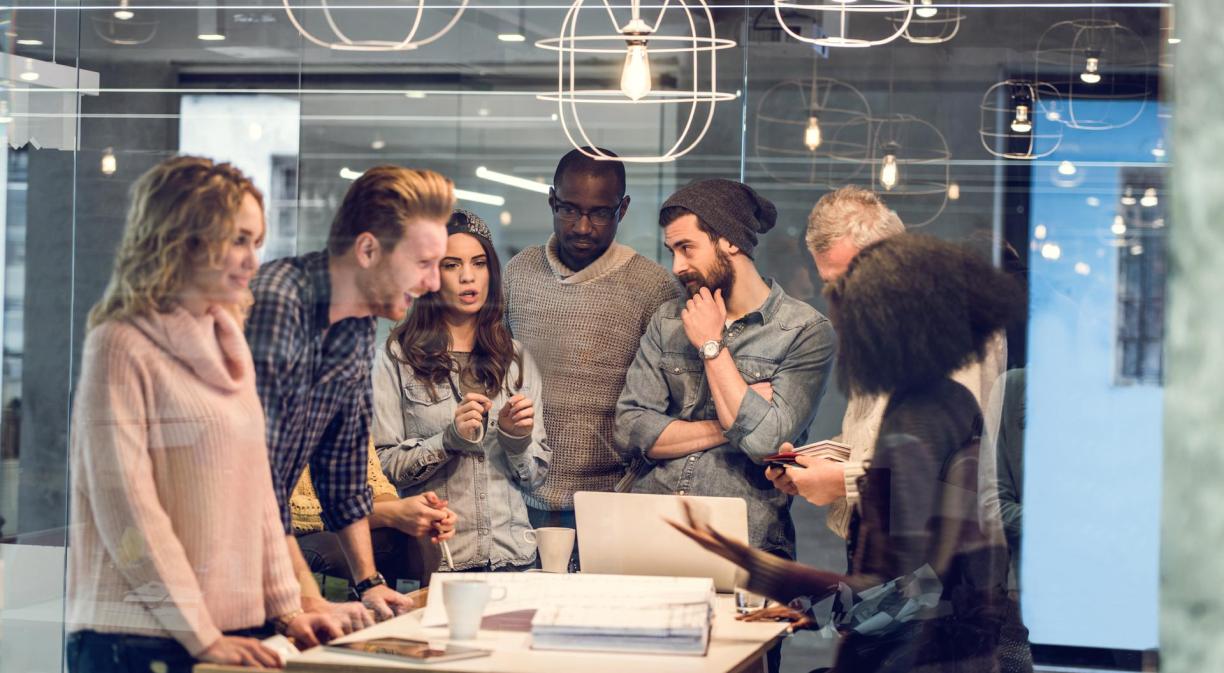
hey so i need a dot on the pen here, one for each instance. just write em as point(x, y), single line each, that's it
point(450, 562)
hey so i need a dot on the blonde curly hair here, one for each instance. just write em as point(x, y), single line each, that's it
point(181, 216)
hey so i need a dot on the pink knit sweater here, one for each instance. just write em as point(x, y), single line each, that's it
point(175, 530)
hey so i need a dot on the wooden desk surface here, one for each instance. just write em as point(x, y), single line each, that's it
point(735, 647)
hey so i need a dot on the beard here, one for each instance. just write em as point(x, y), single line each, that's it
point(720, 276)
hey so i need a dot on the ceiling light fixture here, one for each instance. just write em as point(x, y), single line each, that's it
point(1119, 226)
point(109, 163)
point(511, 37)
point(480, 197)
point(1092, 68)
point(1067, 168)
point(890, 174)
point(811, 134)
point(511, 180)
point(124, 12)
point(29, 74)
point(637, 40)
point(210, 21)
point(926, 9)
point(1021, 122)
point(1149, 199)
point(342, 42)
point(954, 191)
point(30, 42)
point(891, 19)
point(1128, 196)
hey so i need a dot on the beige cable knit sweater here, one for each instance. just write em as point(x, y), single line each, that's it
point(583, 329)
point(175, 530)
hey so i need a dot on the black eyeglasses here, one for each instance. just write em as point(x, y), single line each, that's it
point(604, 216)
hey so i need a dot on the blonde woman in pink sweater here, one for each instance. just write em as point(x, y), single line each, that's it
point(176, 551)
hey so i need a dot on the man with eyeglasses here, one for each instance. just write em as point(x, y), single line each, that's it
point(580, 304)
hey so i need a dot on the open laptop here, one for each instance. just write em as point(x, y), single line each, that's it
point(625, 534)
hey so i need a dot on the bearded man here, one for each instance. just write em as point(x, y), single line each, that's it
point(726, 375)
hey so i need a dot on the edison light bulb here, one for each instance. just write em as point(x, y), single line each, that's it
point(1092, 70)
point(811, 135)
point(1022, 123)
point(123, 13)
point(927, 9)
point(635, 78)
point(109, 163)
point(888, 171)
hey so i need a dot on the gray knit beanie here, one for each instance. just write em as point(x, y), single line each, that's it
point(732, 209)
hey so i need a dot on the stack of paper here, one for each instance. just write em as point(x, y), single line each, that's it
point(617, 613)
point(663, 629)
point(825, 449)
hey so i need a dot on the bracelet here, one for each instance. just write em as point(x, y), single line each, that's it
point(281, 623)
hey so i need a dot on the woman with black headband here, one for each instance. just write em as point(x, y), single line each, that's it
point(455, 406)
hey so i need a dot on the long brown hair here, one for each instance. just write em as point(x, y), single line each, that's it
point(424, 340)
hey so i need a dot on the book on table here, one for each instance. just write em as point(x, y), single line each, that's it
point(592, 612)
point(663, 629)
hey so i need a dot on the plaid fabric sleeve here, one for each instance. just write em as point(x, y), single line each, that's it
point(339, 465)
point(274, 333)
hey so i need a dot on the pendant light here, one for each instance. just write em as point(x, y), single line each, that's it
point(688, 38)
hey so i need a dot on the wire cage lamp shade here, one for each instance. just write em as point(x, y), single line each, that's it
point(682, 35)
point(910, 166)
point(1093, 62)
point(332, 36)
point(880, 21)
point(933, 22)
point(123, 26)
point(1020, 120)
point(812, 132)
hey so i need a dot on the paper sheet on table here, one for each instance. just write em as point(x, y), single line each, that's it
point(533, 591)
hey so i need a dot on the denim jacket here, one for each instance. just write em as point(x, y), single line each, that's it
point(786, 343)
point(420, 451)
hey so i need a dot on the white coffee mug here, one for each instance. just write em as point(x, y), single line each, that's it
point(555, 546)
point(465, 602)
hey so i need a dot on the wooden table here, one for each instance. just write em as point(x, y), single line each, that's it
point(735, 647)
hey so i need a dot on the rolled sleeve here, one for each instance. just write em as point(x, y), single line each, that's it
point(798, 384)
point(339, 466)
point(641, 410)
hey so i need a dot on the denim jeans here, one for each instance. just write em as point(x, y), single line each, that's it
point(93, 652)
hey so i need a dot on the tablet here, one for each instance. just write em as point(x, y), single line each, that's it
point(409, 651)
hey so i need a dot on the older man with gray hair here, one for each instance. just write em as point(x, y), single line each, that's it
point(842, 223)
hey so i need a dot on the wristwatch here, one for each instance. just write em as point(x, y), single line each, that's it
point(711, 349)
point(369, 583)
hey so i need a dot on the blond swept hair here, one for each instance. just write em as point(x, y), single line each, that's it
point(385, 200)
point(181, 216)
point(854, 212)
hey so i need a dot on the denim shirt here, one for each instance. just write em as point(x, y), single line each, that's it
point(421, 451)
point(786, 343)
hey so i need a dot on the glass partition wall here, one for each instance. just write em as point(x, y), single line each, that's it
point(1032, 132)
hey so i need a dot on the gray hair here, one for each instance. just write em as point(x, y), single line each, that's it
point(850, 211)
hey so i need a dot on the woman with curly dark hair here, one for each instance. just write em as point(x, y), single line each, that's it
point(926, 587)
point(455, 406)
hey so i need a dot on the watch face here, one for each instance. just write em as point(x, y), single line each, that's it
point(709, 349)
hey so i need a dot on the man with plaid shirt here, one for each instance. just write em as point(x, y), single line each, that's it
point(311, 333)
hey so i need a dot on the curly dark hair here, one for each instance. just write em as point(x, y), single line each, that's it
point(912, 309)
